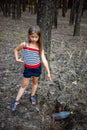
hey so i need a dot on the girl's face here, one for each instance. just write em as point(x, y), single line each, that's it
point(34, 37)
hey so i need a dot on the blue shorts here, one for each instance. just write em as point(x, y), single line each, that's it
point(29, 72)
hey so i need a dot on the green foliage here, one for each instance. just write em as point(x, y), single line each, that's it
point(1, 34)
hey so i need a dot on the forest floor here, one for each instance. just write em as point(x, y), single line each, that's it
point(68, 70)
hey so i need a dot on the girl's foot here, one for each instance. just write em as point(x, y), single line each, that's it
point(13, 105)
point(33, 100)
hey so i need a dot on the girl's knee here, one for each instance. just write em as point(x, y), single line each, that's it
point(35, 83)
point(24, 85)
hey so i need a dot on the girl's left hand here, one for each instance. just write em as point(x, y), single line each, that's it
point(49, 76)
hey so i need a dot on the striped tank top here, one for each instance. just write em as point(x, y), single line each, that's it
point(31, 57)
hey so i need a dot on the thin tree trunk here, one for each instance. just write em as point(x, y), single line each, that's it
point(64, 8)
point(78, 18)
point(84, 6)
point(5, 8)
point(18, 9)
point(9, 7)
point(13, 9)
point(29, 5)
point(23, 5)
point(70, 4)
point(35, 7)
point(72, 13)
point(56, 12)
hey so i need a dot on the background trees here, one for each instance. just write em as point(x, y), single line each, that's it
point(14, 8)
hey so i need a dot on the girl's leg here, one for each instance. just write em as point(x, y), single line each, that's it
point(24, 85)
point(35, 85)
point(33, 91)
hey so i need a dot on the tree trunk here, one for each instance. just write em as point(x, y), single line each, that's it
point(56, 12)
point(64, 8)
point(78, 18)
point(13, 9)
point(9, 7)
point(72, 13)
point(23, 5)
point(70, 4)
point(84, 6)
point(35, 7)
point(32, 6)
point(18, 9)
point(5, 8)
point(55, 5)
point(44, 21)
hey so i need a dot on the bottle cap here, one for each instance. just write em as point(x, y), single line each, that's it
point(71, 112)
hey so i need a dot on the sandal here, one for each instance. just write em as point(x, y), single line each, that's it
point(13, 105)
point(33, 100)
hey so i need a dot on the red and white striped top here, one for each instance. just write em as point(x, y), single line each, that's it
point(31, 57)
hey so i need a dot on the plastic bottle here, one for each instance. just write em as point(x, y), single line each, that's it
point(62, 115)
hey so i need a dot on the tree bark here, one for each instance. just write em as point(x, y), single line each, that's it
point(64, 8)
point(23, 2)
point(18, 9)
point(44, 12)
point(72, 13)
point(56, 12)
point(78, 18)
point(55, 5)
point(13, 9)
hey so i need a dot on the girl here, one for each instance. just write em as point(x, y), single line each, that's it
point(33, 56)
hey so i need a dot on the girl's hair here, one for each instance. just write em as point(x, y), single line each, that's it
point(36, 29)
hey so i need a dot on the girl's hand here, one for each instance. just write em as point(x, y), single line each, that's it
point(19, 60)
point(49, 76)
